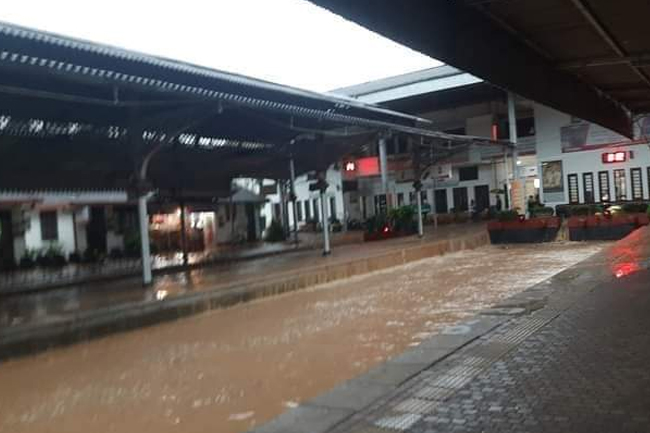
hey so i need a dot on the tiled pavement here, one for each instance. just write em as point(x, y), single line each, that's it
point(579, 364)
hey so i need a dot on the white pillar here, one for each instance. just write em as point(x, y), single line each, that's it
point(326, 225)
point(420, 223)
point(383, 167)
point(144, 240)
point(512, 123)
point(292, 171)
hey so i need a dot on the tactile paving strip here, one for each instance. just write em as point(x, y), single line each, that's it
point(521, 331)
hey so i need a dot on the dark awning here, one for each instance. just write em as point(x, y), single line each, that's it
point(588, 58)
point(75, 114)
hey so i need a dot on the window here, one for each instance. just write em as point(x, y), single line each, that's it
point(400, 199)
point(49, 226)
point(588, 187)
point(603, 185)
point(525, 128)
point(468, 173)
point(380, 204)
point(299, 210)
point(332, 208)
point(637, 183)
point(401, 145)
point(424, 196)
point(573, 189)
point(619, 184)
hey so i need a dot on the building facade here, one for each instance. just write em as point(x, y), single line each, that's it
point(560, 159)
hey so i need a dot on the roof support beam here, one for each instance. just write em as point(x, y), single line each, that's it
point(639, 60)
point(463, 37)
point(599, 27)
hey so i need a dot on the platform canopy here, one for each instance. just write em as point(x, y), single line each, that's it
point(81, 115)
point(587, 58)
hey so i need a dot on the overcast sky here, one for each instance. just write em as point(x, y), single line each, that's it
point(287, 41)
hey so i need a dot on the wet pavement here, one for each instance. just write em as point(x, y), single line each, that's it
point(56, 305)
point(229, 370)
point(110, 269)
point(577, 365)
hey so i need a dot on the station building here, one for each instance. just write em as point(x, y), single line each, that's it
point(560, 159)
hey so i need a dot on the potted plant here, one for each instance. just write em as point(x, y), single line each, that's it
point(510, 227)
point(595, 222)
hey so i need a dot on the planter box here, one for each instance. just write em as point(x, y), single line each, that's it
point(534, 230)
point(600, 228)
point(642, 219)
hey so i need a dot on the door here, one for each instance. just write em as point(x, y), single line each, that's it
point(482, 197)
point(441, 201)
point(7, 259)
point(250, 223)
point(460, 199)
point(96, 230)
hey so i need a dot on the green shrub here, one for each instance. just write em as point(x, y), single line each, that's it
point(634, 207)
point(402, 218)
point(375, 223)
point(540, 211)
point(508, 215)
point(275, 232)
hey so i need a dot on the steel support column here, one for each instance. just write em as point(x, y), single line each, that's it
point(420, 222)
point(292, 172)
point(143, 218)
point(383, 167)
point(183, 234)
point(512, 123)
point(326, 225)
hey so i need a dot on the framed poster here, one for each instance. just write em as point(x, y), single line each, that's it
point(552, 176)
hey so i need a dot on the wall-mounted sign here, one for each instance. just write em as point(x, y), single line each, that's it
point(552, 176)
point(612, 157)
point(581, 136)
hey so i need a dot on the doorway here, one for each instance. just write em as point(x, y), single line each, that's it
point(7, 259)
point(460, 199)
point(96, 230)
point(250, 223)
point(441, 201)
point(482, 197)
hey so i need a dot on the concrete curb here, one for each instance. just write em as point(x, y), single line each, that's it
point(30, 339)
point(379, 384)
point(327, 410)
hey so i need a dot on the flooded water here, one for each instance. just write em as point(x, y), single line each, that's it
point(229, 370)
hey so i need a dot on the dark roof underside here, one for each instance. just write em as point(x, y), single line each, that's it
point(588, 58)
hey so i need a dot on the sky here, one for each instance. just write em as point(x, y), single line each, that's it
point(290, 42)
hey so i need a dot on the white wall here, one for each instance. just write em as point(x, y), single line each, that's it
point(335, 189)
point(549, 148)
point(34, 241)
point(234, 229)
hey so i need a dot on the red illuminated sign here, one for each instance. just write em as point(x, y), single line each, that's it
point(612, 157)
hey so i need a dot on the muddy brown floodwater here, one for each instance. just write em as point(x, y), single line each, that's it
point(229, 370)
